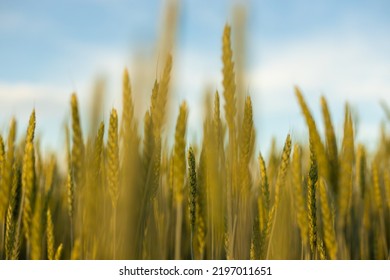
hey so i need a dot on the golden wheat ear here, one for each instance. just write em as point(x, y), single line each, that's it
point(192, 195)
point(318, 146)
point(328, 221)
point(298, 191)
point(311, 200)
point(179, 167)
point(113, 159)
point(77, 156)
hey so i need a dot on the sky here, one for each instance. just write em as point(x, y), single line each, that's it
point(339, 49)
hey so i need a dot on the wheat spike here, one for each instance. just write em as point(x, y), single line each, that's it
point(154, 98)
point(70, 194)
point(247, 143)
point(78, 144)
point(281, 179)
point(377, 188)
point(129, 136)
point(128, 107)
point(361, 166)
point(50, 236)
point(328, 222)
point(70, 200)
point(192, 193)
point(12, 242)
point(6, 180)
point(37, 231)
point(57, 256)
point(318, 146)
point(28, 186)
point(179, 153)
point(113, 169)
point(321, 249)
point(217, 119)
point(264, 183)
point(113, 159)
point(299, 199)
point(201, 211)
point(193, 186)
point(179, 163)
point(98, 151)
point(31, 128)
point(331, 146)
point(229, 83)
point(158, 112)
point(346, 165)
point(311, 200)
point(148, 144)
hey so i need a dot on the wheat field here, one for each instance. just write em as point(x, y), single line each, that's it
point(128, 194)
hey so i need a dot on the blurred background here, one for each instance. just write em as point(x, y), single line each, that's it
point(340, 49)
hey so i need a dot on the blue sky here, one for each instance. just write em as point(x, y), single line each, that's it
point(340, 49)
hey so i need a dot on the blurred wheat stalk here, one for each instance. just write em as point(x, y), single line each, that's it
point(130, 196)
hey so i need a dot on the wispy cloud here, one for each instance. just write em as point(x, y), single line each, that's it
point(342, 69)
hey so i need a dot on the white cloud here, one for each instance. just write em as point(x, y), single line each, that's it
point(24, 92)
point(50, 103)
point(349, 69)
point(344, 70)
